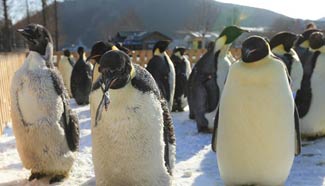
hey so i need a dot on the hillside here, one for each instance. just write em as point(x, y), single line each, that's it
point(87, 21)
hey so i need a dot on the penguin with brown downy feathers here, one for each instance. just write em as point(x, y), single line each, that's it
point(45, 127)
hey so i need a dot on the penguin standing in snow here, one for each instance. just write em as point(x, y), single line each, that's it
point(131, 117)
point(257, 146)
point(162, 69)
point(46, 129)
point(81, 81)
point(312, 123)
point(182, 71)
point(304, 94)
point(65, 67)
point(281, 45)
point(208, 77)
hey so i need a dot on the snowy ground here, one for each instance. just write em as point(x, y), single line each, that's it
point(196, 163)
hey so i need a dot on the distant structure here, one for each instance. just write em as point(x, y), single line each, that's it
point(140, 40)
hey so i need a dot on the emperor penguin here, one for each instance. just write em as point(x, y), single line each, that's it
point(312, 124)
point(81, 79)
point(207, 79)
point(45, 127)
point(182, 72)
point(65, 67)
point(162, 69)
point(97, 50)
point(281, 45)
point(133, 140)
point(304, 94)
point(257, 132)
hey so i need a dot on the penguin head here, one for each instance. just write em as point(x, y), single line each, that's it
point(115, 67)
point(316, 40)
point(179, 51)
point(80, 51)
point(66, 53)
point(303, 39)
point(98, 49)
point(228, 35)
point(116, 71)
point(38, 37)
point(254, 48)
point(283, 39)
point(160, 47)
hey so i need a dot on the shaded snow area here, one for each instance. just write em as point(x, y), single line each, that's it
point(196, 163)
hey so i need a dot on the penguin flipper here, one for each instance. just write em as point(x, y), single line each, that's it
point(297, 133)
point(214, 133)
point(169, 138)
point(69, 121)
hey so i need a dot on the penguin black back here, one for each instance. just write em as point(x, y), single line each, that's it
point(81, 79)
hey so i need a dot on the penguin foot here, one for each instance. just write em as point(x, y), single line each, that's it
point(205, 130)
point(36, 175)
point(56, 178)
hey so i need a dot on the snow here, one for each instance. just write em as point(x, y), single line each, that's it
point(196, 163)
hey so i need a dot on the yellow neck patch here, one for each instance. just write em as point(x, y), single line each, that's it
point(279, 50)
point(132, 73)
point(220, 42)
point(304, 44)
point(157, 52)
point(114, 48)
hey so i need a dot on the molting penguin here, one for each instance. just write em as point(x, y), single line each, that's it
point(133, 140)
point(208, 77)
point(46, 129)
point(281, 45)
point(182, 71)
point(312, 124)
point(162, 69)
point(257, 91)
point(304, 94)
point(81, 79)
point(65, 67)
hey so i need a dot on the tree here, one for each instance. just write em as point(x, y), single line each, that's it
point(56, 25)
point(27, 12)
point(44, 12)
point(6, 28)
point(203, 21)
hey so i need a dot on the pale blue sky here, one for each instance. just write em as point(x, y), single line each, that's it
point(304, 9)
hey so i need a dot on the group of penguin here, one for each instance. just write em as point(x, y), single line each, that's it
point(77, 76)
point(249, 106)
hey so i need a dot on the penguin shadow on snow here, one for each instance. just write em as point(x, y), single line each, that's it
point(25, 182)
point(210, 175)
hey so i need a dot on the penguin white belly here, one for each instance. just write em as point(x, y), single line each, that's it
point(66, 70)
point(42, 144)
point(313, 124)
point(223, 68)
point(128, 147)
point(171, 81)
point(255, 137)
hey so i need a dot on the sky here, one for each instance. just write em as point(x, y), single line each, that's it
point(303, 9)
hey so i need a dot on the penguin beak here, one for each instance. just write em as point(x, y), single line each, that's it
point(249, 51)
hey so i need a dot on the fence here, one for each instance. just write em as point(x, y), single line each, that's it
point(10, 62)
